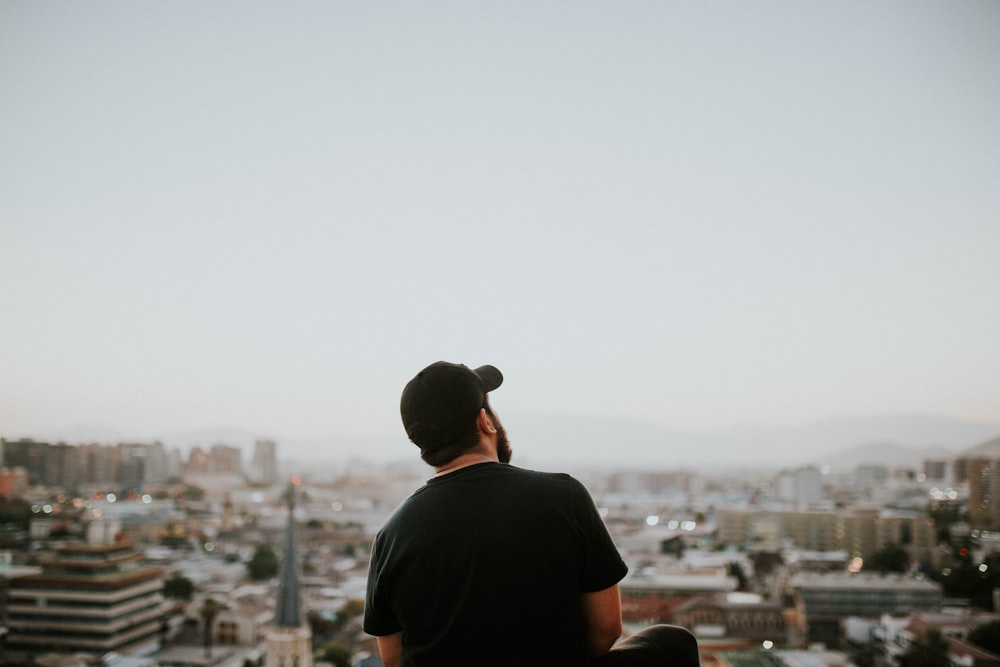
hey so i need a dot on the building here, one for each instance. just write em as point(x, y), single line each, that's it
point(859, 532)
point(13, 483)
point(816, 530)
point(896, 636)
point(801, 488)
point(219, 460)
point(824, 599)
point(264, 466)
point(289, 643)
point(868, 478)
point(62, 467)
point(984, 492)
point(733, 615)
point(979, 469)
point(649, 598)
point(92, 599)
point(26, 454)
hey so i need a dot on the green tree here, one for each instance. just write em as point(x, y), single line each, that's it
point(178, 587)
point(208, 611)
point(986, 636)
point(264, 563)
point(16, 513)
point(970, 580)
point(929, 651)
point(890, 558)
point(336, 653)
point(352, 608)
point(736, 570)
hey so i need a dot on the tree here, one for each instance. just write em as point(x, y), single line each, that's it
point(178, 587)
point(890, 558)
point(15, 512)
point(928, 651)
point(986, 636)
point(970, 580)
point(264, 563)
point(736, 570)
point(335, 653)
point(208, 611)
point(352, 608)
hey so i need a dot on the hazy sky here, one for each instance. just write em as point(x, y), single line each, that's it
point(269, 215)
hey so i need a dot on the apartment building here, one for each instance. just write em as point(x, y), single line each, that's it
point(87, 598)
point(824, 599)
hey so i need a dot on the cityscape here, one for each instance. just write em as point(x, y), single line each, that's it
point(139, 555)
point(733, 261)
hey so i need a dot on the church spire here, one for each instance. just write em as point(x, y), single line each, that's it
point(288, 613)
point(289, 641)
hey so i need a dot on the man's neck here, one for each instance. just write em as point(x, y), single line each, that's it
point(464, 461)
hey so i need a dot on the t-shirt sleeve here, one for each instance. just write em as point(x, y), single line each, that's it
point(379, 618)
point(603, 566)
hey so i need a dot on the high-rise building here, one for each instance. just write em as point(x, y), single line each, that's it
point(984, 492)
point(26, 454)
point(264, 467)
point(87, 598)
point(62, 467)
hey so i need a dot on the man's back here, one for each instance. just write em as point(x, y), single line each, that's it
point(485, 566)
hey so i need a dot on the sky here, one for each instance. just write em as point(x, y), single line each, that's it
point(269, 216)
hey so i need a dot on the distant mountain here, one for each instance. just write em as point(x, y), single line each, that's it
point(892, 456)
point(989, 450)
point(845, 442)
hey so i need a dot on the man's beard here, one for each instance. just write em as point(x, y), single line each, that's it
point(503, 445)
point(504, 451)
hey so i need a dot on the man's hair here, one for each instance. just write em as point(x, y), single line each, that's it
point(465, 443)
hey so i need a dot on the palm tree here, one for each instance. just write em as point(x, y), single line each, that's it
point(209, 610)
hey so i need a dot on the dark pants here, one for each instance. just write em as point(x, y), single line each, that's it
point(656, 646)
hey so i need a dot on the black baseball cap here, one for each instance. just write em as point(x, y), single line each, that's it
point(440, 404)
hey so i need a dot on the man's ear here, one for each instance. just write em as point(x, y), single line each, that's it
point(485, 423)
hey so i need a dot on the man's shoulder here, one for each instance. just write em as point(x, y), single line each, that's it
point(557, 484)
point(540, 476)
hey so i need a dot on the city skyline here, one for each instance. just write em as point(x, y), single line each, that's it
point(694, 218)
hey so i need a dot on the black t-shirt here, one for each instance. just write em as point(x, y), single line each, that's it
point(485, 566)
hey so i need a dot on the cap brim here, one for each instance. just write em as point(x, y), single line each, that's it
point(491, 377)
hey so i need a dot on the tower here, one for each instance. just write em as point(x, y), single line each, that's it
point(289, 643)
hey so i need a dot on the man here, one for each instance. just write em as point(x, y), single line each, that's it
point(489, 564)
